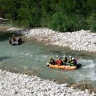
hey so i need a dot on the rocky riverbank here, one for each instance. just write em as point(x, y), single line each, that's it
point(81, 40)
point(21, 84)
point(12, 84)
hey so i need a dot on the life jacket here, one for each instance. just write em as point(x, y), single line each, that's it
point(70, 60)
point(65, 59)
point(59, 62)
point(14, 39)
point(72, 63)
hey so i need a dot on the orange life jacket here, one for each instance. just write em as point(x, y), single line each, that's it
point(59, 62)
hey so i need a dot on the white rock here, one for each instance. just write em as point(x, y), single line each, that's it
point(12, 84)
point(80, 40)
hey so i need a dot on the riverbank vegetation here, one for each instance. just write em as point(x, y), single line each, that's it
point(60, 15)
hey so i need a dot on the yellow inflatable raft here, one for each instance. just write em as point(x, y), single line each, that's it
point(64, 67)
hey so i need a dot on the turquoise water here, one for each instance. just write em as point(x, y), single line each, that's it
point(31, 57)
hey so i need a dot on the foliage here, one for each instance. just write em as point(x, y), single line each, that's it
point(92, 22)
point(60, 15)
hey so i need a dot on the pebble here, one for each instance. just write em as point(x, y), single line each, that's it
point(15, 84)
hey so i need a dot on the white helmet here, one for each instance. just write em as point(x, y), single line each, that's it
point(72, 58)
point(57, 56)
point(64, 56)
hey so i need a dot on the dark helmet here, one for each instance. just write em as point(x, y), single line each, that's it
point(13, 34)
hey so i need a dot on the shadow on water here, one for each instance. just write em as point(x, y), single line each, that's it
point(3, 58)
point(5, 36)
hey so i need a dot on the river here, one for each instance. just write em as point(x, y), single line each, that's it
point(31, 57)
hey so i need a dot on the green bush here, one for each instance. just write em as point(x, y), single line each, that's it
point(59, 15)
point(92, 22)
point(64, 22)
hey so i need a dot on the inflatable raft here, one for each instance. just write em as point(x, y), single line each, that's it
point(15, 43)
point(64, 67)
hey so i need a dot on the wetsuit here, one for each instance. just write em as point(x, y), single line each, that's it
point(52, 61)
point(65, 60)
point(10, 41)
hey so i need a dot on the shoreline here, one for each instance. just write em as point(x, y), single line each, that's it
point(80, 40)
point(22, 84)
point(45, 38)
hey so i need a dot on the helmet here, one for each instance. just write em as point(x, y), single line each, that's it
point(72, 58)
point(57, 56)
point(64, 56)
point(13, 34)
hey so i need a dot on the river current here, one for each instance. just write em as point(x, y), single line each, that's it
point(31, 58)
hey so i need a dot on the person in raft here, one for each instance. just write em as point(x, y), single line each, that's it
point(10, 40)
point(19, 40)
point(52, 61)
point(59, 61)
point(70, 59)
point(73, 62)
point(65, 60)
point(13, 38)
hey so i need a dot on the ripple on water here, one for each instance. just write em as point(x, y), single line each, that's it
point(88, 64)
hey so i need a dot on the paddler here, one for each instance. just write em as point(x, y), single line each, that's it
point(10, 40)
point(64, 60)
point(73, 62)
point(70, 59)
point(59, 61)
point(52, 61)
point(13, 38)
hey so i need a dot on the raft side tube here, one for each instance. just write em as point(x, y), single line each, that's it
point(78, 65)
point(15, 43)
point(64, 67)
